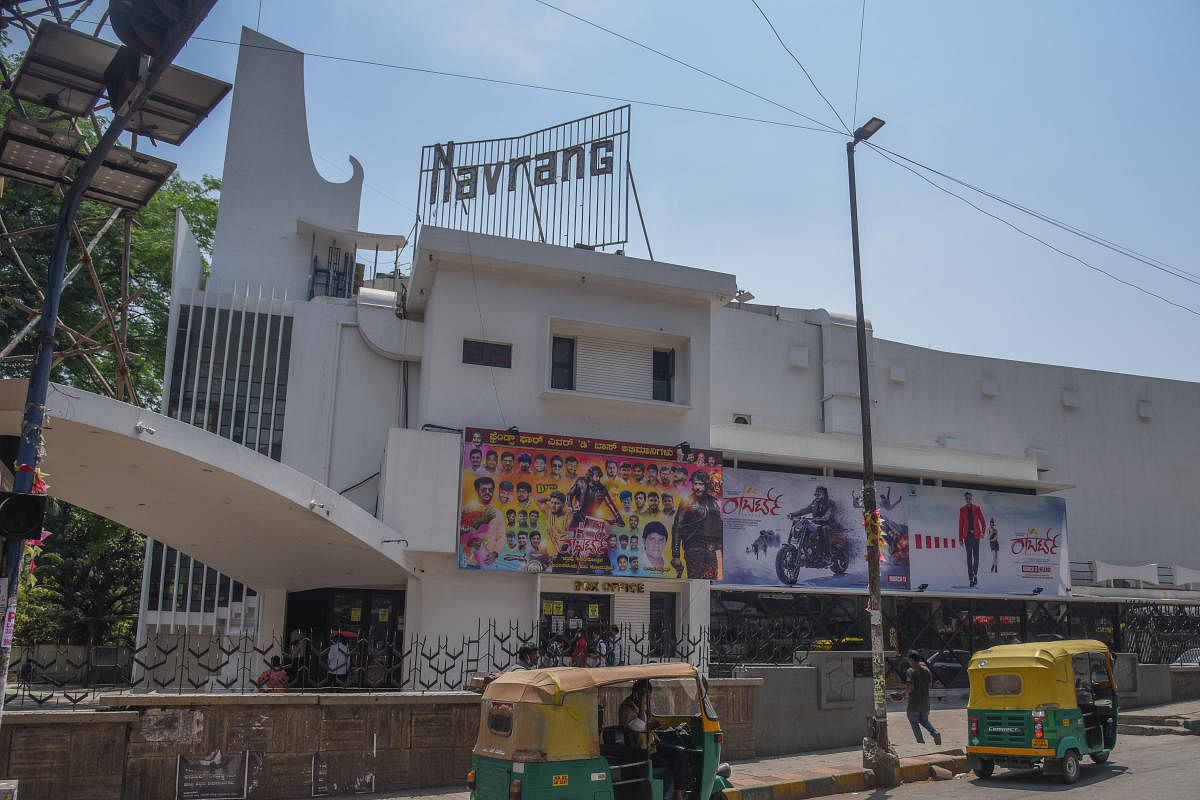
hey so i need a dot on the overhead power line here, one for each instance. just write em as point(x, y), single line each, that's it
point(896, 158)
point(862, 25)
point(522, 85)
point(1026, 233)
point(683, 63)
point(1161, 266)
point(771, 25)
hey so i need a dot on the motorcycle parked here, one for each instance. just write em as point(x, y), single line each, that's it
point(803, 549)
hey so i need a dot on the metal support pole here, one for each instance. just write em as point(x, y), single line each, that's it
point(122, 366)
point(882, 761)
point(29, 447)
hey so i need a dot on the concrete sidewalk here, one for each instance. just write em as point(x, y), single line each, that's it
point(824, 772)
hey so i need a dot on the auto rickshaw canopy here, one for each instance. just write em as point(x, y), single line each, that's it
point(1043, 672)
point(551, 714)
point(548, 685)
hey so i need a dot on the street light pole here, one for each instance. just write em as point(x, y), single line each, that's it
point(174, 36)
point(877, 753)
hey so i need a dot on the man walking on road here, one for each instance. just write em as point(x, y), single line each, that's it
point(917, 692)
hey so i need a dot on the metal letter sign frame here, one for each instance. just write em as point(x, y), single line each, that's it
point(564, 185)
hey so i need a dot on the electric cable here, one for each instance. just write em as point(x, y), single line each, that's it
point(370, 186)
point(1026, 233)
point(862, 24)
point(1096, 239)
point(1150, 261)
point(522, 85)
point(802, 69)
point(683, 63)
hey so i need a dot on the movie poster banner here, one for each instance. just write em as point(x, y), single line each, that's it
point(534, 502)
point(988, 542)
point(783, 529)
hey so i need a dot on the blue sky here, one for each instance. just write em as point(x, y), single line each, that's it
point(1080, 110)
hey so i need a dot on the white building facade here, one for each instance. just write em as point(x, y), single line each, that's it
point(365, 387)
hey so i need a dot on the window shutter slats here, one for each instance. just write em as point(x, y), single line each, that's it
point(611, 367)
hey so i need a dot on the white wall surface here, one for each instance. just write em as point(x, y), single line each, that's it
point(312, 369)
point(1130, 472)
point(421, 495)
point(482, 302)
point(343, 397)
point(443, 600)
point(1132, 475)
point(751, 373)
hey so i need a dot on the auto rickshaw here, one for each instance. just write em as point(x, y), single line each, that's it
point(1047, 703)
point(553, 733)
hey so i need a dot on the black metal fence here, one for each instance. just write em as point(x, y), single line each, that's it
point(183, 662)
point(748, 628)
point(781, 628)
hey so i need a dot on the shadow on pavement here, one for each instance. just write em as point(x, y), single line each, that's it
point(1033, 779)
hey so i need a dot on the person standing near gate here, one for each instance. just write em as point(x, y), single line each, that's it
point(970, 530)
point(918, 678)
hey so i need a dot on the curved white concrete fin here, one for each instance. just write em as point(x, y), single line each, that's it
point(270, 179)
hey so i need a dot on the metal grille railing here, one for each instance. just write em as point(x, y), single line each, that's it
point(745, 631)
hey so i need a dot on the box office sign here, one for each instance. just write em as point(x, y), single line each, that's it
point(533, 502)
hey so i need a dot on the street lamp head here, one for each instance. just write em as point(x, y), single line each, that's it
point(868, 129)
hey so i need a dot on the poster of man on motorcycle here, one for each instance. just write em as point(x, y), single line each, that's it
point(784, 529)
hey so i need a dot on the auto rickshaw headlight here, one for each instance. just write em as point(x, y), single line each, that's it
point(514, 789)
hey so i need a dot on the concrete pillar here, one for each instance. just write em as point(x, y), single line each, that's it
point(695, 615)
point(272, 606)
point(138, 674)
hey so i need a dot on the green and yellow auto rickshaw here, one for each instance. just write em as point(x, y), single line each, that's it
point(1047, 703)
point(553, 734)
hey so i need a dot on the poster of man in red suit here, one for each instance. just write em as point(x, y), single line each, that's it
point(971, 528)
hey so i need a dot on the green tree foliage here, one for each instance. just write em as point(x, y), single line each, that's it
point(85, 582)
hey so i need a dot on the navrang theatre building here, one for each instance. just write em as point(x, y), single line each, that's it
point(566, 438)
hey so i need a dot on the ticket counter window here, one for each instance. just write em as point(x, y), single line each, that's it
point(565, 616)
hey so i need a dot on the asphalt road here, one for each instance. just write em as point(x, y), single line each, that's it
point(1156, 767)
point(1159, 767)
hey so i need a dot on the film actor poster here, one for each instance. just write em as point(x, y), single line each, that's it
point(535, 502)
point(783, 529)
point(1002, 543)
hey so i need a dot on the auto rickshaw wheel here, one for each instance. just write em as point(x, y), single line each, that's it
point(1070, 766)
point(986, 768)
point(1099, 757)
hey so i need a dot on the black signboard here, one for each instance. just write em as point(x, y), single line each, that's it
point(216, 776)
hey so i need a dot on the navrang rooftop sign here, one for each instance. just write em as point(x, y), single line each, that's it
point(566, 185)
